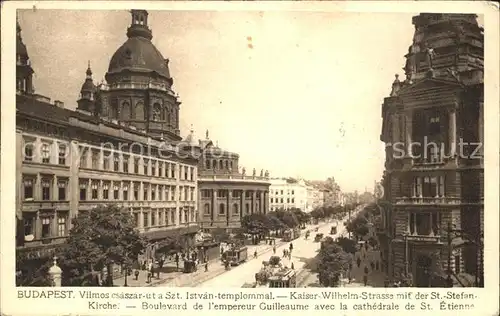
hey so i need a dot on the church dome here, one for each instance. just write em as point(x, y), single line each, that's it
point(138, 54)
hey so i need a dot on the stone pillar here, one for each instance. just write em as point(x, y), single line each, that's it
point(242, 203)
point(55, 274)
point(261, 202)
point(452, 132)
point(254, 198)
point(409, 130)
point(229, 208)
point(214, 205)
point(141, 191)
point(395, 128)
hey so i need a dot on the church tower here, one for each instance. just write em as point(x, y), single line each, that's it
point(86, 102)
point(24, 72)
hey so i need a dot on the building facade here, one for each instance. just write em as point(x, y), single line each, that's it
point(72, 161)
point(226, 192)
point(288, 194)
point(433, 130)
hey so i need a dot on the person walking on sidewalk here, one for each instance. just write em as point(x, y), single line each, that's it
point(177, 260)
point(365, 277)
point(291, 247)
point(284, 253)
point(274, 249)
point(206, 266)
point(255, 254)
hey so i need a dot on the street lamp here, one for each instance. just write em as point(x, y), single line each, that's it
point(405, 238)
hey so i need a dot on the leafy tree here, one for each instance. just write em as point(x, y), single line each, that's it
point(221, 235)
point(333, 262)
point(318, 213)
point(255, 224)
point(32, 272)
point(273, 222)
point(169, 245)
point(301, 216)
point(358, 225)
point(348, 245)
point(101, 237)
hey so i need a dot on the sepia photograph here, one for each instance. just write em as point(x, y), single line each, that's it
point(249, 149)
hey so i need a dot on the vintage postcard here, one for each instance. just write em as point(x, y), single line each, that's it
point(265, 156)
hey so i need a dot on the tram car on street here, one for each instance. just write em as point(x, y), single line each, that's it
point(283, 278)
point(291, 234)
point(236, 255)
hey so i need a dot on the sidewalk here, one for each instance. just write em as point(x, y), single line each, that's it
point(375, 277)
point(179, 279)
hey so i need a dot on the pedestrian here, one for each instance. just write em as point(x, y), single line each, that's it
point(136, 274)
point(284, 253)
point(358, 261)
point(255, 254)
point(177, 260)
point(377, 265)
point(291, 247)
point(206, 266)
point(274, 249)
point(365, 279)
point(292, 266)
point(372, 264)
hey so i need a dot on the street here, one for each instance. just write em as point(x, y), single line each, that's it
point(303, 251)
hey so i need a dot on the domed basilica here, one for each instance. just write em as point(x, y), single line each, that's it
point(138, 89)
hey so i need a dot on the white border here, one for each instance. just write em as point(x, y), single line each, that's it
point(486, 297)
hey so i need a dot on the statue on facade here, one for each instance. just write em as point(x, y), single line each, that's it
point(266, 174)
point(430, 55)
point(261, 172)
point(243, 171)
point(254, 172)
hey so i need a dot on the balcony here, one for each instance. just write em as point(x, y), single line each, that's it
point(427, 238)
point(137, 85)
point(428, 200)
point(232, 177)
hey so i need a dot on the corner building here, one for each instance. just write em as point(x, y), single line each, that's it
point(63, 168)
point(434, 184)
point(226, 192)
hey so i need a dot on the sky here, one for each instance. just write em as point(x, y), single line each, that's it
point(303, 100)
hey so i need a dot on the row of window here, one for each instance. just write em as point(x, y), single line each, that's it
point(424, 223)
point(164, 217)
point(221, 164)
point(105, 160)
point(49, 225)
point(235, 208)
point(207, 193)
point(281, 200)
point(433, 186)
point(104, 190)
point(280, 192)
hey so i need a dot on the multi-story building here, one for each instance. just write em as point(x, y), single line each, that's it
point(433, 130)
point(226, 191)
point(287, 194)
point(114, 149)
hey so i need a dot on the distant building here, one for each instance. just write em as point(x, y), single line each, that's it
point(227, 192)
point(438, 184)
point(288, 194)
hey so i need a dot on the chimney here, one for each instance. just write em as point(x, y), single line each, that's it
point(59, 104)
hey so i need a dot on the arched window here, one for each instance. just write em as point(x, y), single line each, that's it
point(206, 209)
point(139, 111)
point(156, 112)
point(169, 116)
point(214, 164)
point(221, 165)
point(231, 164)
point(227, 164)
point(207, 163)
point(222, 209)
point(236, 210)
point(126, 110)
